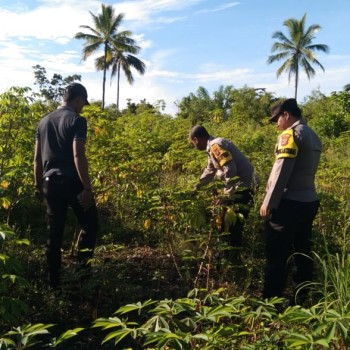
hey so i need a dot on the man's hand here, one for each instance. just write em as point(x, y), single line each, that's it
point(38, 193)
point(86, 199)
point(264, 211)
point(196, 187)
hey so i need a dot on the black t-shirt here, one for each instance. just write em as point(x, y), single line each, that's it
point(56, 132)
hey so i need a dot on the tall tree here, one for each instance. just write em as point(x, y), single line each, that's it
point(52, 90)
point(297, 49)
point(102, 34)
point(197, 107)
point(122, 56)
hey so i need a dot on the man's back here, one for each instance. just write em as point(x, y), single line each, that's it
point(238, 165)
point(56, 132)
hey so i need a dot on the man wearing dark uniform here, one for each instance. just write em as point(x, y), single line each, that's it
point(291, 203)
point(62, 179)
point(227, 162)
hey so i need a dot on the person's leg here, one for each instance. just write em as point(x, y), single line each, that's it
point(279, 235)
point(88, 220)
point(236, 230)
point(56, 210)
point(242, 204)
point(303, 245)
point(89, 224)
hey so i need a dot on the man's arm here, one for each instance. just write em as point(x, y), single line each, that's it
point(278, 180)
point(38, 166)
point(286, 152)
point(207, 175)
point(81, 165)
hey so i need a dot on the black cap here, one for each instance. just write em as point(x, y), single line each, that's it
point(73, 90)
point(289, 105)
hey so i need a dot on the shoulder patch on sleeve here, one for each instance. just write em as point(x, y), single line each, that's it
point(286, 146)
point(221, 155)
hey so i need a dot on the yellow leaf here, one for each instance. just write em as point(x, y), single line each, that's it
point(103, 198)
point(218, 221)
point(4, 184)
point(230, 219)
point(147, 224)
point(5, 203)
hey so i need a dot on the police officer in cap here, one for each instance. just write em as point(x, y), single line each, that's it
point(231, 166)
point(291, 203)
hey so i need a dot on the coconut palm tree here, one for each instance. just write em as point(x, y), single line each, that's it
point(105, 28)
point(122, 56)
point(297, 49)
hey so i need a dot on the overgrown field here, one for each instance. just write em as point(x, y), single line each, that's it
point(160, 278)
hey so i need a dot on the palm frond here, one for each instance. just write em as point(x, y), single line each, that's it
point(137, 64)
point(89, 49)
point(278, 57)
point(318, 47)
point(282, 38)
point(127, 71)
point(285, 67)
point(308, 69)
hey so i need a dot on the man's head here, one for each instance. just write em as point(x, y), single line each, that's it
point(199, 137)
point(285, 113)
point(75, 95)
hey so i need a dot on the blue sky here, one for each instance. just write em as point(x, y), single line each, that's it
point(185, 44)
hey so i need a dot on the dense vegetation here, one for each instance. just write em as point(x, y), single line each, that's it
point(159, 279)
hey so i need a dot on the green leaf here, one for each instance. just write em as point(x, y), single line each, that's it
point(331, 332)
point(3, 257)
point(133, 307)
point(117, 335)
point(323, 342)
point(23, 241)
point(106, 323)
point(201, 336)
point(6, 234)
point(67, 335)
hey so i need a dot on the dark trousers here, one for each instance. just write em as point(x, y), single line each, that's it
point(243, 202)
point(288, 230)
point(60, 192)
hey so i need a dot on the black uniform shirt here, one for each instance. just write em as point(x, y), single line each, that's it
point(56, 132)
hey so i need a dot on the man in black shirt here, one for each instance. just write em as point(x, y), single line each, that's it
point(61, 176)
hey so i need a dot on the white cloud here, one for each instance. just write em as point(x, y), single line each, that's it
point(142, 42)
point(225, 6)
point(146, 12)
point(57, 24)
point(224, 76)
point(218, 8)
point(168, 20)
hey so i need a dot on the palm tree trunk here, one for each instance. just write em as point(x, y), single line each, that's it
point(296, 82)
point(103, 88)
point(104, 78)
point(118, 81)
